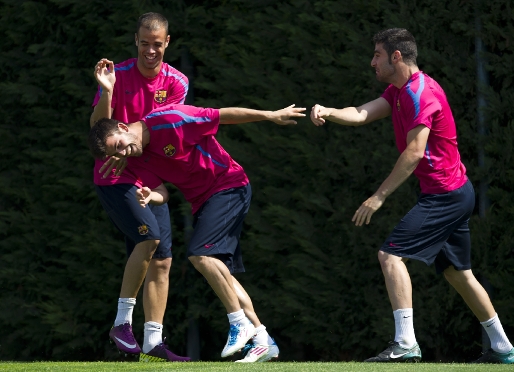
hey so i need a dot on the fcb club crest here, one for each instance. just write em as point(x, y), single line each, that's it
point(160, 96)
point(143, 230)
point(169, 150)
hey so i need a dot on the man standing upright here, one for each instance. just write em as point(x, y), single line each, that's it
point(129, 91)
point(436, 229)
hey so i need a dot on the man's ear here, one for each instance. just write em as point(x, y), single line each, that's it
point(397, 56)
point(123, 127)
point(167, 41)
point(136, 39)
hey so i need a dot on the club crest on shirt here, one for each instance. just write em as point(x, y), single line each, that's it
point(398, 104)
point(143, 230)
point(160, 96)
point(169, 150)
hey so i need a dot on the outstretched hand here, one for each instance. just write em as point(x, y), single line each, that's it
point(318, 114)
point(143, 196)
point(283, 117)
point(105, 75)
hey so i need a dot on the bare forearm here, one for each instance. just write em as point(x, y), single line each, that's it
point(239, 115)
point(351, 116)
point(405, 165)
point(102, 108)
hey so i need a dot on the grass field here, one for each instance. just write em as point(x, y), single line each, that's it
point(264, 367)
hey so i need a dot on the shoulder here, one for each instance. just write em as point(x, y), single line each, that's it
point(172, 73)
point(128, 65)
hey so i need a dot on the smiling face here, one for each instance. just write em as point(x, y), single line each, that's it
point(151, 44)
point(123, 144)
point(384, 69)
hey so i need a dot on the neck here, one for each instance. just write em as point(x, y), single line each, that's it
point(140, 130)
point(147, 72)
point(403, 75)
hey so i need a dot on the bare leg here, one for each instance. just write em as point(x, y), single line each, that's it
point(397, 280)
point(246, 303)
point(155, 293)
point(136, 267)
point(472, 292)
point(220, 280)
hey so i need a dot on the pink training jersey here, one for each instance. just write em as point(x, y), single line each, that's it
point(134, 97)
point(422, 101)
point(184, 152)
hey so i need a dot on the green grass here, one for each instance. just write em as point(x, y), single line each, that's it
point(264, 367)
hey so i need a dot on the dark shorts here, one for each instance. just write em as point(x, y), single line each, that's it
point(217, 227)
point(436, 230)
point(135, 222)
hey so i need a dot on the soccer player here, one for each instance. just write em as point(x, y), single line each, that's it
point(128, 91)
point(436, 229)
point(176, 144)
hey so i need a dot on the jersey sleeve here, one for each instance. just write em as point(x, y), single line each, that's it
point(99, 93)
point(388, 95)
point(422, 111)
point(178, 88)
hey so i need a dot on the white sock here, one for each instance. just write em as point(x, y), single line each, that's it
point(499, 341)
point(152, 337)
point(404, 327)
point(237, 317)
point(261, 336)
point(125, 308)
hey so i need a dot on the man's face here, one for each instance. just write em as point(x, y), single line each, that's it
point(150, 49)
point(123, 144)
point(384, 69)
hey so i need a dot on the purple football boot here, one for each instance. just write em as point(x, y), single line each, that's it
point(161, 353)
point(124, 339)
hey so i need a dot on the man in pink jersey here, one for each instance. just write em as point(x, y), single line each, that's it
point(176, 144)
point(128, 92)
point(436, 229)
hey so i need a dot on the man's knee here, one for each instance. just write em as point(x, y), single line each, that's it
point(387, 259)
point(197, 260)
point(456, 277)
point(147, 248)
point(161, 264)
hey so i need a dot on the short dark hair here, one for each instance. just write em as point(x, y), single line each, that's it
point(101, 130)
point(152, 22)
point(394, 39)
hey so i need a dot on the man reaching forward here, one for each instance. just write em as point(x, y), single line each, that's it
point(176, 144)
point(436, 229)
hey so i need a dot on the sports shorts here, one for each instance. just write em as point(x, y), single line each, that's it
point(436, 230)
point(217, 227)
point(136, 223)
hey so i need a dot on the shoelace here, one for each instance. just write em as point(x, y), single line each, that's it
point(234, 331)
point(127, 332)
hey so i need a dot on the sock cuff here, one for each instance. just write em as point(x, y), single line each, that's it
point(259, 329)
point(490, 321)
point(236, 316)
point(131, 301)
point(154, 326)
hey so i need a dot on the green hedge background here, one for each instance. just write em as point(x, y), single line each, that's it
point(313, 276)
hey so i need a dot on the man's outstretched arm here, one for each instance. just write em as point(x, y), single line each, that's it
point(239, 115)
point(352, 116)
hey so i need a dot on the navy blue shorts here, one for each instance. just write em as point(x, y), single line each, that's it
point(436, 230)
point(217, 227)
point(135, 222)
